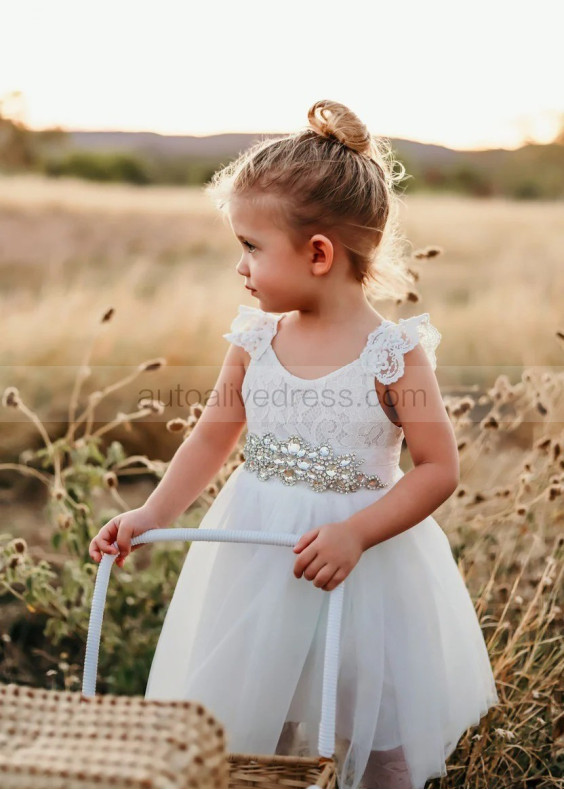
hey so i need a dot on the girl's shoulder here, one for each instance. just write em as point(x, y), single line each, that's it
point(383, 354)
point(253, 329)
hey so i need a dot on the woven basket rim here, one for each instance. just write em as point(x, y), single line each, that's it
point(284, 759)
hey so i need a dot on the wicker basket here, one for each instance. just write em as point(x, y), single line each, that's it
point(63, 739)
point(280, 771)
point(245, 770)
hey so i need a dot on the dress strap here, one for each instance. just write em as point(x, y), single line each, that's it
point(382, 357)
point(253, 329)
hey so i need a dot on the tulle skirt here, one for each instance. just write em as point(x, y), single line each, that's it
point(246, 638)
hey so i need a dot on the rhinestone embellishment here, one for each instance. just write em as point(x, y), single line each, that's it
point(294, 460)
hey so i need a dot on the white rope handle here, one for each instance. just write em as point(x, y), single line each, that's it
point(326, 740)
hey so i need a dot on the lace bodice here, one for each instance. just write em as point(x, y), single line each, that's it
point(340, 408)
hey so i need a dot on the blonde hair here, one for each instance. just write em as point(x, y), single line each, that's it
point(332, 176)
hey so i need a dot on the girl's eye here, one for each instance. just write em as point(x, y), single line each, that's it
point(249, 245)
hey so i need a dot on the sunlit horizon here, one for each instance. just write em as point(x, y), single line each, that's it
point(532, 137)
point(168, 70)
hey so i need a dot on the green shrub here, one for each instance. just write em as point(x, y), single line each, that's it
point(58, 601)
point(100, 167)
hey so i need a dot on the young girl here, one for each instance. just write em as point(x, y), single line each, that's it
point(327, 388)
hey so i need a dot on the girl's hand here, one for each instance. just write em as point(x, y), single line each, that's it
point(327, 554)
point(122, 529)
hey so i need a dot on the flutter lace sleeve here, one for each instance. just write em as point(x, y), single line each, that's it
point(383, 354)
point(253, 329)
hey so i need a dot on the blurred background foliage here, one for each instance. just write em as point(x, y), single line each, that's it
point(534, 171)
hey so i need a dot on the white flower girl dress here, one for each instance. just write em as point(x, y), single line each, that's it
point(246, 638)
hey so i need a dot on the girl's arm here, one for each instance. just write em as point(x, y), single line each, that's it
point(202, 455)
point(432, 445)
point(198, 459)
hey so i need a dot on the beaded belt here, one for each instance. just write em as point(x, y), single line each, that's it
point(294, 460)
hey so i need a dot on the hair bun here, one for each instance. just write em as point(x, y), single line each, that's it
point(332, 119)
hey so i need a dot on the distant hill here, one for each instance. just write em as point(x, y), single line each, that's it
point(533, 171)
point(211, 147)
point(229, 145)
point(530, 172)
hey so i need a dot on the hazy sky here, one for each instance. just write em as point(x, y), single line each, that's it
point(463, 74)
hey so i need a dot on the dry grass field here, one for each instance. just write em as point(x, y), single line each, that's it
point(70, 249)
point(165, 261)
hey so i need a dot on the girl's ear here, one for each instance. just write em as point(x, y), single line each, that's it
point(322, 253)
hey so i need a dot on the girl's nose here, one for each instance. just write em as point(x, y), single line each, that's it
point(242, 268)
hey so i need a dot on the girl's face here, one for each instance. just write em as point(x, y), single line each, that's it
point(269, 264)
